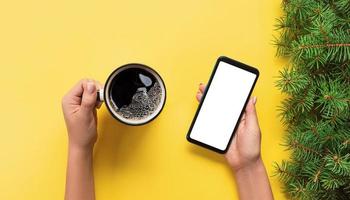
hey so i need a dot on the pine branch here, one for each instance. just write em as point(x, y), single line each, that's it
point(315, 34)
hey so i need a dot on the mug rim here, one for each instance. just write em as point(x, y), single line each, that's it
point(109, 79)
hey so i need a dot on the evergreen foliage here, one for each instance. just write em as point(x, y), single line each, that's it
point(315, 36)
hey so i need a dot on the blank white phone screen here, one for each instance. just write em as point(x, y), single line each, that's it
point(222, 105)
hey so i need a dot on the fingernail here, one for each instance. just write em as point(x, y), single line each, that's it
point(254, 100)
point(90, 87)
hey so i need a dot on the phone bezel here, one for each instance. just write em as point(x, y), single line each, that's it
point(234, 63)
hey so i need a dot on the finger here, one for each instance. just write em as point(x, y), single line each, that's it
point(250, 112)
point(97, 83)
point(77, 90)
point(199, 96)
point(202, 87)
point(89, 99)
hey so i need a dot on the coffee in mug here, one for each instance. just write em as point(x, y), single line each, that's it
point(134, 94)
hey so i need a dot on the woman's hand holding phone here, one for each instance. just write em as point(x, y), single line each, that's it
point(244, 155)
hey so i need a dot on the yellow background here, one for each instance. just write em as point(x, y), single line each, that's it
point(47, 46)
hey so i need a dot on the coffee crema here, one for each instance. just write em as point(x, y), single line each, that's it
point(135, 94)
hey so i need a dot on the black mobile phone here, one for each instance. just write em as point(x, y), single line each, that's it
point(222, 105)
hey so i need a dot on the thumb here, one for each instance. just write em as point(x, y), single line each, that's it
point(250, 112)
point(89, 98)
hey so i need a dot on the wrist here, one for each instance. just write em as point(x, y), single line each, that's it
point(253, 182)
point(251, 167)
point(78, 149)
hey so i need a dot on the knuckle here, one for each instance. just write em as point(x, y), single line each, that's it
point(83, 81)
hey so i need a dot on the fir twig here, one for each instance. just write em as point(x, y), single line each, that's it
point(315, 34)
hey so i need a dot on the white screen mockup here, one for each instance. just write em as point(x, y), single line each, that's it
point(222, 105)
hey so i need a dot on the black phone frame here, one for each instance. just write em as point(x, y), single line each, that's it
point(234, 63)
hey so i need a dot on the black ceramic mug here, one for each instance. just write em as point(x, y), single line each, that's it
point(134, 94)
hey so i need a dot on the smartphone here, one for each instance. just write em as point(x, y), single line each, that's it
point(222, 105)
